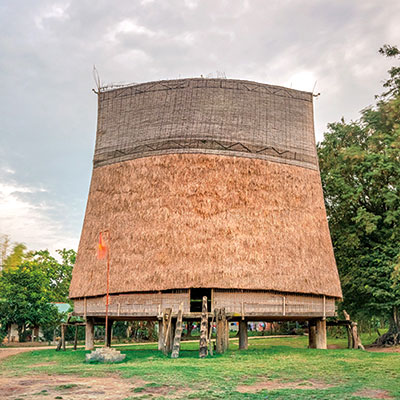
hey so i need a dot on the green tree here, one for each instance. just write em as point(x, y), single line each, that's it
point(17, 255)
point(58, 273)
point(29, 288)
point(4, 248)
point(360, 172)
point(26, 298)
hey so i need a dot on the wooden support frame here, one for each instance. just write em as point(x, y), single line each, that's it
point(221, 341)
point(76, 337)
point(254, 305)
point(89, 334)
point(243, 335)
point(63, 331)
point(167, 327)
point(161, 334)
point(203, 329)
point(108, 336)
point(226, 337)
point(178, 334)
point(210, 342)
point(320, 337)
point(312, 344)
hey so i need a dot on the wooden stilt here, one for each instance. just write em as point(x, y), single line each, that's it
point(348, 330)
point(63, 331)
point(221, 331)
point(89, 334)
point(226, 338)
point(76, 337)
point(356, 340)
point(210, 343)
point(243, 337)
point(59, 342)
point(353, 339)
point(312, 332)
point(203, 329)
point(109, 333)
point(178, 334)
point(160, 334)
point(167, 323)
point(171, 335)
point(320, 337)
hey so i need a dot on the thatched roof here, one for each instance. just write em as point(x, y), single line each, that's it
point(206, 183)
point(197, 220)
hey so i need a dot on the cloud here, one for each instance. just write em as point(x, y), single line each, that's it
point(55, 11)
point(128, 26)
point(49, 47)
point(26, 218)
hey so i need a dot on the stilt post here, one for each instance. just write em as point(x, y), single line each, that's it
point(109, 333)
point(167, 325)
point(63, 329)
point(321, 334)
point(178, 333)
point(226, 338)
point(221, 331)
point(76, 337)
point(312, 332)
point(243, 337)
point(203, 329)
point(210, 342)
point(160, 334)
point(89, 334)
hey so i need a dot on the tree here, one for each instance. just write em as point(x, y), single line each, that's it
point(26, 298)
point(58, 274)
point(17, 255)
point(360, 172)
point(29, 287)
point(4, 247)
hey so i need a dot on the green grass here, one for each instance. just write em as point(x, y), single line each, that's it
point(217, 377)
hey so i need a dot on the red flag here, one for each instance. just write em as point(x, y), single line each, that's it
point(102, 248)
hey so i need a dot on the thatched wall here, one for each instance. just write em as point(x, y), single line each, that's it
point(209, 116)
point(195, 220)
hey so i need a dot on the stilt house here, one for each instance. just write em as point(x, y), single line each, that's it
point(207, 187)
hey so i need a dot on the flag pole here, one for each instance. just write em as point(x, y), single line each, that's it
point(108, 287)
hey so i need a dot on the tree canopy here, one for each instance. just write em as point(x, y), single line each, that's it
point(360, 172)
point(30, 282)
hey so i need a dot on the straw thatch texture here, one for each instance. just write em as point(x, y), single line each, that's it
point(208, 116)
point(193, 220)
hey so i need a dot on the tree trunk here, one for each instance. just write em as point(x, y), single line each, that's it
point(392, 336)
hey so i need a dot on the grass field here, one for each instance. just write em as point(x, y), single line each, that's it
point(272, 368)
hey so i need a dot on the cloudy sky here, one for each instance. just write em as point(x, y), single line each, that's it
point(48, 49)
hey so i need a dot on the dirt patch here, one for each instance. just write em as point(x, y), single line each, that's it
point(373, 394)
point(4, 353)
point(334, 347)
point(75, 388)
point(159, 390)
point(277, 384)
point(392, 349)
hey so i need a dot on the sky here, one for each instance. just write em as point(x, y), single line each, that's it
point(48, 50)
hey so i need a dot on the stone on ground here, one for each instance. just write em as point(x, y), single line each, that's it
point(106, 355)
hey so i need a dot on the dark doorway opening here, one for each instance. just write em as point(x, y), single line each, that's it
point(196, 299)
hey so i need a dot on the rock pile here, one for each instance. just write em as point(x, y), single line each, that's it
point(105, 355)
